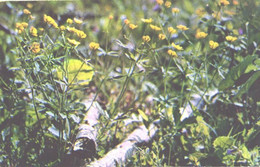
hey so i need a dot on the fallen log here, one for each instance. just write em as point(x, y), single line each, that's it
point(123, 151)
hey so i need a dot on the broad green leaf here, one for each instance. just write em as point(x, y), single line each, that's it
point(245, 153)
point(223, 142)
point(76, 71)
point(235, 73)
point(246, 86)
point(144, 116)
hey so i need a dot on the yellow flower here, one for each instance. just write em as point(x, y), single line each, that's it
point(69, 21)
point(147, 20)
point(126, 21)
point(41, 29)
point(24, 24)
point(62, 28)
point(50, 21)
point(223, 2)
point(213, 45)
point(230, 38)
point(73, 42)
point(171, 30)
point(172, 53)
point(35, 47)
point(175, 10)
point(29, 5)
point(93, 45)
point(156, 28)
point(161, 36)
point(78, 21)
point(235, 2)
point(21, 26)
point(26, 11)
point(182, 27)
point(133, 26)
point(33, 31)
point(178, 47)
point(79, 33)
point(160, 2)
point(167, 4)
point(146, 38)
point(200, 35)
point(110, 17)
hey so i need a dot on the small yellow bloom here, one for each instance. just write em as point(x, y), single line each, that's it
point(178, 47)
point(223, 2)
point(73, 42)
point(161, 36)
point(156, 28)
point(146, 38)
point(29, 5)
point(175, 10)
point(182, 27)
point(160, 2)
point(235, 2)
point(230, 38)
point(50, 20)
point(132, 26)
point(62, 28)
point(167, 4)
point(93, 45)
point(172, 53)
point(35, 47)
point(21, 26)
point(33, 31)
point(110, 17)
point(213, 45)
point(126, 21)
point(26, 11)
point(200, 35)
point(147, 20)
point(69, 21)
point(171, 30)
point(79, 33)
point(24, 24)
point(41, 29)
point(78, 21)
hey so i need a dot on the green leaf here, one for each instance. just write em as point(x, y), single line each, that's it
point(223, 142)
point(245, 153)
point(235, 73)
point(144, 116)
point(76, 71)
point(246, 86)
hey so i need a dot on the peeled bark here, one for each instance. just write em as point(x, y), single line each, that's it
point(123, 151)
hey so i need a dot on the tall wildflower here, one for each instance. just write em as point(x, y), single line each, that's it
point(33, 31)
point(155, 28)
point(93, 45)
point(182, 27)
point(35, 48)
point(50, 21)
point(146, 38)
point(213, 45)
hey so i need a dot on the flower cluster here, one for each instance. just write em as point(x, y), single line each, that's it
point(50, 20)
point(33, 31)
point(200, 35)
point(146, 38)
point(182, 27)
point(155, 28)
point(171, 30)
point(147, 20)
point(177, 47)
point(79, 33)
point(224, 2)
point(35, 48)
point(213, 45)
point(73, 42)
point(93, 45)
point(172, 53)
point(231, 38)
point(21, 26)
